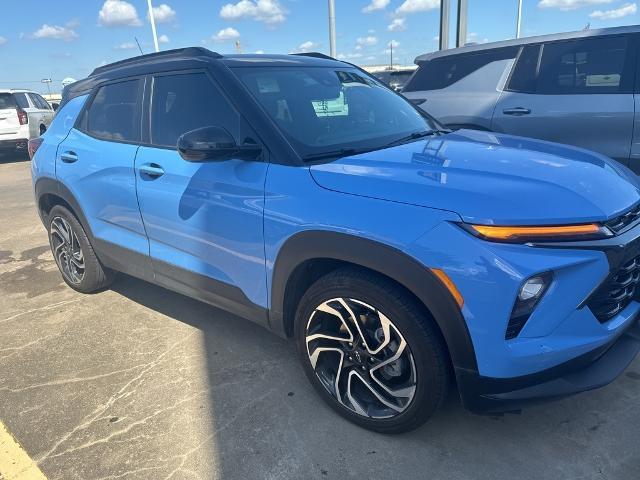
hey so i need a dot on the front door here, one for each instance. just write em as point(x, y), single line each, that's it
point(203, 220)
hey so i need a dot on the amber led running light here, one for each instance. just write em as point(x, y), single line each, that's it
point(583, 231)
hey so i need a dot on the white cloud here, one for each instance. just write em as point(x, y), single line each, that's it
point(163, 39)
point(226, 35)
point(55, 32)
point(349, 56)
point(163, 13)
point(307, 46)
point(570, 4)
point(397, 25)
point(474, 38)
point(376, 5)
point(393, 44)
point(125, 46)
point(118, 13)
point(259, 52)
point(3, 40)
point(267, 11)
point(623, 11)
point(366, 41)
point(412, 6)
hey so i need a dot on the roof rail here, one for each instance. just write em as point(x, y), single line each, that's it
point(178, 52)
point(315, 55)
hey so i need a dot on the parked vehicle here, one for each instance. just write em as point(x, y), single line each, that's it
point(576, 88)
point(301, 193)
point(395, 77)
point(23, 115)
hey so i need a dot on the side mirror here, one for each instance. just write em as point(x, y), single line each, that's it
point(214, 144)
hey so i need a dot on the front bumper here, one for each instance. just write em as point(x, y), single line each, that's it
point(19, 144)
point(589, 371)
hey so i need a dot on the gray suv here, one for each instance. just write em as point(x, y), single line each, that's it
point(577, 88)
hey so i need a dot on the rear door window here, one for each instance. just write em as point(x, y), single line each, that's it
point(114, 113)
point(445, 71)
point(7, 101)
point(42, 103)
point(594, 65)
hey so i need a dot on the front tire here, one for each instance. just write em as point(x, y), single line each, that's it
point(73, 253)
point(371, 351)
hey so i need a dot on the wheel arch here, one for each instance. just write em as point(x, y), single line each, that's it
point(50, 192)
point(306, 256)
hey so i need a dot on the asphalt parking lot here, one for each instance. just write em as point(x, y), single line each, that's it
point(140, 383)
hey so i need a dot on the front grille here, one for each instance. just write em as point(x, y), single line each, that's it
point(616, 292)
point(621, 222)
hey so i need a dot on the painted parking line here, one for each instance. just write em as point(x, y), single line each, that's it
point(15, 463)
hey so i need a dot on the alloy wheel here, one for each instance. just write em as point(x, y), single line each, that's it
point(67, 250)
point(361, 358)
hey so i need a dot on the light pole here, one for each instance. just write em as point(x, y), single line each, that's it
point(445, 5)
point(519, 19)
point(332, 28)
point(153, 26)
point(48, 82)
point(461, 30)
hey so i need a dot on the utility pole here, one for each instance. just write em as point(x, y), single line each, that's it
point(519, 19)
point(153, 26)
point(445, 6)
point(461, 31)
point(332, 28)
point(48, 82)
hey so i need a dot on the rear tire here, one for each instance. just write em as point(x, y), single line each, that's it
point(80, 267)
point(372, 333)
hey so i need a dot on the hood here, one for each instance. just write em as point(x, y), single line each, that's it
point(489, 178)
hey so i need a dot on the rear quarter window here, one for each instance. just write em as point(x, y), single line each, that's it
point(445, 71)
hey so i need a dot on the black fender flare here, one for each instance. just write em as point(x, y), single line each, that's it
point(384, 259)
point(52, 186)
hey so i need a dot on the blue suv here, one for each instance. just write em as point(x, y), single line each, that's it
point(299, 192)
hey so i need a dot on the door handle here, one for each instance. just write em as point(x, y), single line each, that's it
point(516, 111)
point(69, 157)
point(152, 170)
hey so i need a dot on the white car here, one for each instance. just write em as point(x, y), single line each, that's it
point(23, 115)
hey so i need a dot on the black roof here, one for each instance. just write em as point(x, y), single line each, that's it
point(190, 57)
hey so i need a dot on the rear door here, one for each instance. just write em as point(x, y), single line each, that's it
point(9, 123)
point(578, 92)
point(96, 162)
point(39, 113)
point(45, 108)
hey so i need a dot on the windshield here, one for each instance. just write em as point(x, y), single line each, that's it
point(323, 109)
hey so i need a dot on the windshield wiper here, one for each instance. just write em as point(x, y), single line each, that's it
point(418, 135)
point(343, 152)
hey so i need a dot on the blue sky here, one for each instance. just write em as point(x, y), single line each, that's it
point(62, 38)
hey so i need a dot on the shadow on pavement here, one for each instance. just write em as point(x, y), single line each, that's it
point(269, 423)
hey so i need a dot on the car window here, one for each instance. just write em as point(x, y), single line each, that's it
point(324, 109)
point(35, 100)
point(186, 102)
point(21, 100)
point(523, 78)
point(445, 71)
point(7, 100)
point(584, 66)
point(114, 112)
point(42, 102)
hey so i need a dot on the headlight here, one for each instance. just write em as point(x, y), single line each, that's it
point(585, 231)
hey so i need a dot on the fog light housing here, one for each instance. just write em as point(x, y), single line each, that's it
point(530, 293)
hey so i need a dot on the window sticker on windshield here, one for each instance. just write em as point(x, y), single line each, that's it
point(267, 85)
